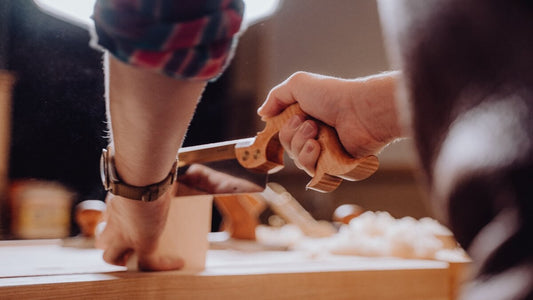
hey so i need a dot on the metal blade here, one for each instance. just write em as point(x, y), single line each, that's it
point(214, 169)
point(211, 152)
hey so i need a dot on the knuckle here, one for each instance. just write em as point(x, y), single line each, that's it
point(298, 77)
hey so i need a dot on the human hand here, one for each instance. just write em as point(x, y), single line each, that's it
point(135, 227)
point(362, 111)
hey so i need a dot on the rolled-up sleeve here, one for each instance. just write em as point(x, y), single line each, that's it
point(189, 39)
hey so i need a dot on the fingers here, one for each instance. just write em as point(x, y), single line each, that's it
point(314, 94)
point(277, 100)
point(287, 132)
point(318, 96)
point(115, 250)
point(123, 234)
point(288, 92)
point(160, 263)
point(298, 138)
point(116, 253)
point(308, 156)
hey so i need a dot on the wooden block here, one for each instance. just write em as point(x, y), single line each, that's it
point(185, 234)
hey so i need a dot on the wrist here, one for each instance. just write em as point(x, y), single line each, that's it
point(115, 185)
point(377, 96)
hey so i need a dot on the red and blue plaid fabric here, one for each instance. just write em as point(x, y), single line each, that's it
point(189, 39)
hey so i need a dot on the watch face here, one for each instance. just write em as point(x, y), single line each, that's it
point(104, 172)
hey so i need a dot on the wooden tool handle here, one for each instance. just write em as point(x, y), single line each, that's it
point(334, 163)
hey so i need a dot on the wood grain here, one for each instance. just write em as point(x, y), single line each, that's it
point(229, 275)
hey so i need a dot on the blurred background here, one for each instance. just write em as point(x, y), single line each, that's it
point(340, 38)
point(57, 127)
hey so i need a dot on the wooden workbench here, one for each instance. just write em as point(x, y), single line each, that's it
point(46, 270)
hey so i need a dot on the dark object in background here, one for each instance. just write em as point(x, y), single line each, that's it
point(468, 69)
point(59, 125)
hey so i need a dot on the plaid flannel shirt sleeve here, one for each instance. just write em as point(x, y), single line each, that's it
point(188, 39)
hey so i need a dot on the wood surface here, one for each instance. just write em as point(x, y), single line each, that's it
point(46, 270)
point(334, 163)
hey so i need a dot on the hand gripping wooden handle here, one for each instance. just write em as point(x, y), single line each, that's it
point(334, 163)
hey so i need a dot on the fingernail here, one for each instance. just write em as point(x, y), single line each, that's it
point(308, 129)
point(294, 122)
point(309, 147)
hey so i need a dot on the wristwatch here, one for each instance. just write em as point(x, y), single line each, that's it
point(113, 184)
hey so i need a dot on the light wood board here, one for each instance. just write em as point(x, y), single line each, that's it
point(46, 270)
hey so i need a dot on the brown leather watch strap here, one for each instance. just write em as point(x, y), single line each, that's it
point(113, 183)
point(143, 193)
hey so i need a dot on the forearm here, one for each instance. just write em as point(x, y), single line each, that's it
point(170, 49)
point(149, 115)
point(374, 99)
point(371, 114)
